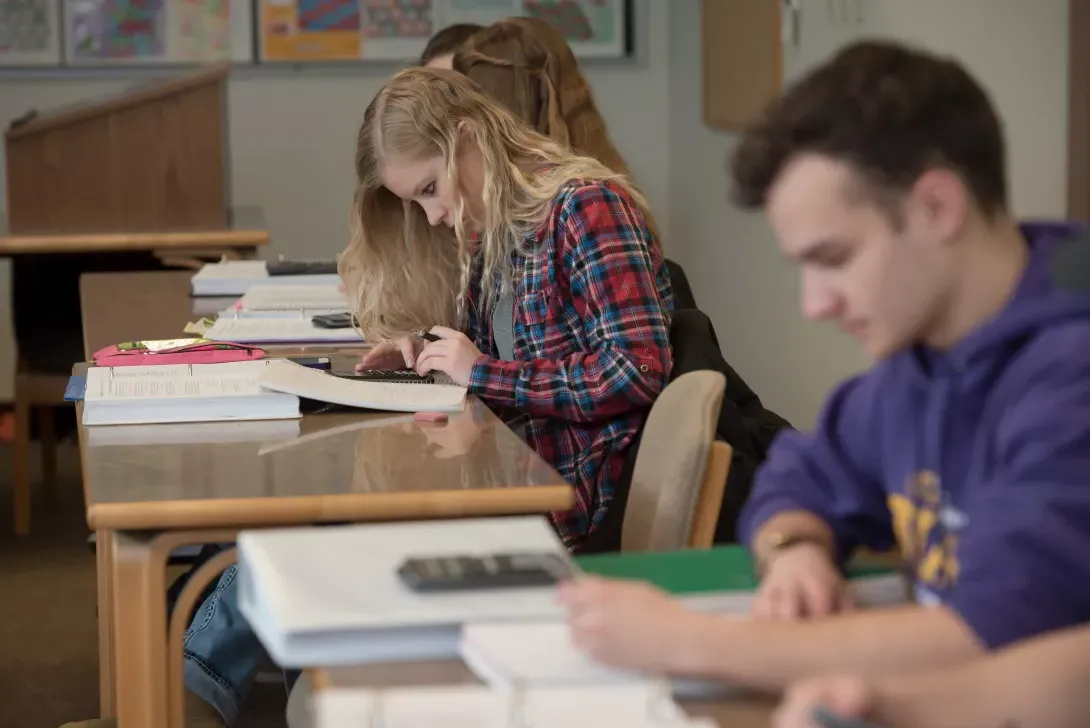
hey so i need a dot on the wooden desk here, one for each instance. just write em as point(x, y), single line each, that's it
point(748, 711)
point(151, 489)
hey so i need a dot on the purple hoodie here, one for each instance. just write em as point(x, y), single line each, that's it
point(975, 462)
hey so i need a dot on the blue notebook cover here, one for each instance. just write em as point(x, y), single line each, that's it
point(77, 387)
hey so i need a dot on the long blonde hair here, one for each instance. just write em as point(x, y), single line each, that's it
point(405, 273)
point(526, 65)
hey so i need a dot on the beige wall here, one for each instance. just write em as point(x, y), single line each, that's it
point(1019, 51)
point(292, 136)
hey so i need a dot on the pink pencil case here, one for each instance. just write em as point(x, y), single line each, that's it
point(175, 351)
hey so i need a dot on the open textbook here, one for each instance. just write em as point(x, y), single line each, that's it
point(135, 395)
point(291, 378)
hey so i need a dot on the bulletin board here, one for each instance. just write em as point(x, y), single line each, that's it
point(80, 33)
point(157, 32)
point(30, 33)
point(110, 33)
point(299, 31)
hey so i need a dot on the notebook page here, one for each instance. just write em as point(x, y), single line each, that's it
point(277, 330)
point(292, 378)
point(275, 297)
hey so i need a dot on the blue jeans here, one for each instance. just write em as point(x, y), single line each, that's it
point(222, 653)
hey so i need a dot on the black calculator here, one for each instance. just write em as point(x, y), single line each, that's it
point(399, 376)
point(489, 571)
point(301, 267)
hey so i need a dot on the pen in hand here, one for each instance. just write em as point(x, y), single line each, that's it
point(426, 335)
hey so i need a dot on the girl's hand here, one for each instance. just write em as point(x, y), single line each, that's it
point(454, 355)
point(394, 354)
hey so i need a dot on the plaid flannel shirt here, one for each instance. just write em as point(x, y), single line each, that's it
point(592, 311)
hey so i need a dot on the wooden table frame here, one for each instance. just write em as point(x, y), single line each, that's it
point(135, 539)
point(136, 679)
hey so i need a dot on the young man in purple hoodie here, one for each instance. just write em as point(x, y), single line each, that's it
point(967, 444)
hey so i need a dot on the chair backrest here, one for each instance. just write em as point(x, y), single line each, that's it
point(671, 465)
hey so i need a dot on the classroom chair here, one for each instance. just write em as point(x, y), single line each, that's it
point(36, 392)
point(681, 469)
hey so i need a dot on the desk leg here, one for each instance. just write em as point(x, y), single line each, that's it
point(140, 630)
point(141, 669)
point(104, 557)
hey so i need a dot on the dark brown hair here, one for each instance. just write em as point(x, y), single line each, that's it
point(448, 40)
point(889, 111)
point(526, 65)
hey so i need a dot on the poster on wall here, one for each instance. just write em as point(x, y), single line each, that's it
point(120, 32)
point(30, 33)
point(299, 31)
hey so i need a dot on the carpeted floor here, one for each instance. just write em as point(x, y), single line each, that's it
point(48, 638)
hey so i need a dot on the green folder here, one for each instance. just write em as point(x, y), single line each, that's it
point(695, 571)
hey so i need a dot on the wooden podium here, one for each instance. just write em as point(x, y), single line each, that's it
point(153, 158)
point(136, 181)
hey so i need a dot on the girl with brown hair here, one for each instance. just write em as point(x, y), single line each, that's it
point(526, 65)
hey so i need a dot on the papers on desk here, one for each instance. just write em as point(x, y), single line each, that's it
point(182, 393)
point(278, 330)
point(236, 277)
point(474, 706)
point(291, 378)
point(307, 298)
point(332, 596)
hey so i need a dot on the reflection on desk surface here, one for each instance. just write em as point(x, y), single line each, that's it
point(328, 454)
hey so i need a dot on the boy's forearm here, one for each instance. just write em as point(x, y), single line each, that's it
point(1041, 683)
point(770, 655)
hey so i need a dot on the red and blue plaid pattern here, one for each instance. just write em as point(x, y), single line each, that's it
point(592, 310)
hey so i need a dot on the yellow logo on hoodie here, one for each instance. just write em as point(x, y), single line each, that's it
point(926, 529)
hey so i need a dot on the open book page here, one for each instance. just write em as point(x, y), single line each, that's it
point(143, 388)
point(277, 330)
point(274, 297)
point(292, 378)
point(240, 369)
